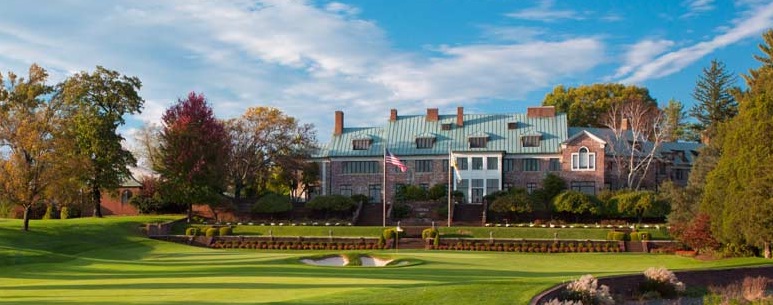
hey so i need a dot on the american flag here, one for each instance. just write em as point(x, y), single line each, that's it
point(389, 158)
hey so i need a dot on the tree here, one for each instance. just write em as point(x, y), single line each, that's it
point(737, 193)
point(585, 106)
point(714, 98)
point(29, 123)
point(577, 203)
point(638, 130)
point(696, 233)
point(265, 141)
point(674, 116)
point(639, 204)
point(331, 203)
point(272, 203)
point(99, 101)
point(552, 185)
point(194, 151)
point(515, 201)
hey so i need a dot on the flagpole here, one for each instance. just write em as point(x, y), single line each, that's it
point(383, 189)
point(450, 180)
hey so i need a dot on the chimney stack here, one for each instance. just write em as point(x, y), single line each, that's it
point(338, 129)
point(393, 115)
point(460, 116)
point(541, 112)
point(625, 124)
point(432, 115)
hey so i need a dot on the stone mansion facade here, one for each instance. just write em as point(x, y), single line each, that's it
point(493, 152)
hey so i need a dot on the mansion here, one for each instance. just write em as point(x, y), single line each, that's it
point(492, 152)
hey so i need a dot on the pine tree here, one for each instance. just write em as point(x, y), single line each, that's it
point(714, 97)
point(675, 115)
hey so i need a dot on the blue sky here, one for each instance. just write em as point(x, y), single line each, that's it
point(310, 58)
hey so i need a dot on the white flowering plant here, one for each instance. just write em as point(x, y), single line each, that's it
point(662, 281)
point(588, 291)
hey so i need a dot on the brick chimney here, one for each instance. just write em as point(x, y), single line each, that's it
point(541, 112)
point(338, 129)
point(432, 115)
point(460, 116)
point(625, 124)
point(393, 115)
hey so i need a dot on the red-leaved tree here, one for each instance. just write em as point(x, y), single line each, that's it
point(697, 233)
point(194, 150)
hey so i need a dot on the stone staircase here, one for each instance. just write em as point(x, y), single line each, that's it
point(371, 215)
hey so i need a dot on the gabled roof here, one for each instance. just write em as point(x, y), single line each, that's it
point(400, 135)
point(584, 132)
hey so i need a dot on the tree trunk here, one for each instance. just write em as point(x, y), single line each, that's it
point(96, 196)
point(766, 251)
point(27, 217)
point(190, 212)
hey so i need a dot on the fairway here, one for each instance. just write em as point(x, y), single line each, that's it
point(106, 261)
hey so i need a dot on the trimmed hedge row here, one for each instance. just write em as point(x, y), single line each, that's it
point(282, 245)
point(209, 232)
point(633, 236)
point(535, 247)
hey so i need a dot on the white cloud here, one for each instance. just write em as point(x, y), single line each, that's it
point(546, 13)
point(641, 53)
point(696, 7)
point(512, 33)
point(671, 62)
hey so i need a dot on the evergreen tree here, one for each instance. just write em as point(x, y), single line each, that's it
point(714, 98)
point(674, 119)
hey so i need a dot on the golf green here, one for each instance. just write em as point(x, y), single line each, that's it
point(107, 261)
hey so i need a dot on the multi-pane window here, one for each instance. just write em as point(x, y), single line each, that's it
point(492, 186)
point(374, 192)
point(345, 190)
point(424, 143)
point(463, 186)
point(531, 187)
point(477, 191)
point(126, 195)
point(362, 144)
point(477, 163)
point(555, 165)
point(445, 166)
point(492, 163)
point(583, 160)
point(587, 187)
point(360, 167)
point(462, 163)
point(508, 165)
point(530, 141)
point(423, 166)
point(530, 165)
point(478, 142)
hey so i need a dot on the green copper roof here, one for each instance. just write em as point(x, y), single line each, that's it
point(400, 136)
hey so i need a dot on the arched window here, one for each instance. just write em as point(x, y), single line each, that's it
point(583, 159)
point(126, 195)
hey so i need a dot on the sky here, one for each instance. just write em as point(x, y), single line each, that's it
point(311, 58)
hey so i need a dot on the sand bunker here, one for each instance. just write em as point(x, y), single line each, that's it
point(341, 260)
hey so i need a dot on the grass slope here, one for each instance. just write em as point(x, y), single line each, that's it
point(105, 261)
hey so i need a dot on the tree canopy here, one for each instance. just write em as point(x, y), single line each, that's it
point(586, 106)
point(715, 102)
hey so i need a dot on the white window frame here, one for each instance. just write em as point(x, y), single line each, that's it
point(590, 159)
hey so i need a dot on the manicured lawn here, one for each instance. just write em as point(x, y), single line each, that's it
point(467, 232)
point(105, 261)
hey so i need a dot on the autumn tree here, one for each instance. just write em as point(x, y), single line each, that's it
point(29, 122)
point(715, 102)
point(99, 101)
point(637, 132)
point(737, 193)
point(194, 151)
point(267, 144)
point(585, 106)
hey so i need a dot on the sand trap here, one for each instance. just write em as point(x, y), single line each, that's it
point(340, 261)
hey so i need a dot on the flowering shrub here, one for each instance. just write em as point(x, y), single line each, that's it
point(560, 302)
point(662, 281)
point(586, 290)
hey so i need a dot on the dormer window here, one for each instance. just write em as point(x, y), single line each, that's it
point(512, 125)
point(445, 126)
point(361, 144)
point(424, 142)
point(531, 140)
point(478, 142)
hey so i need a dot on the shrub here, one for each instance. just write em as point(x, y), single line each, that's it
point(662, 281)
point(49, 212)
point(437, 192)
point(272, 203)
point(618, 236)
point(225, 231)
point(331, 203)
point(752, 289)
point(586, 290)
point(634, 236)
point(400, 211)
point(414, 193)
point(560, 302)
point(191, 231)
point(64, 213)
point(211, 232)
point(429, 233)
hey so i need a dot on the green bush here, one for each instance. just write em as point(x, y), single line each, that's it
point(437, 192)
point(633, 236)
point(333, 203)
point(212, 232)
point(415, 193)
point(390, 233)
point(400, 211)
point(618, 236)
point(225, 231)
point(272, 203)
point(429, 233)
point(64, 213)
point(49, 212)
point(191, 231)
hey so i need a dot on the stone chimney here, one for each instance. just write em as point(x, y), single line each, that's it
point(625, 124)
point(432, 115)
point(393, 115)
point(460, 116)
point(338, 129)
point(541, 112)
